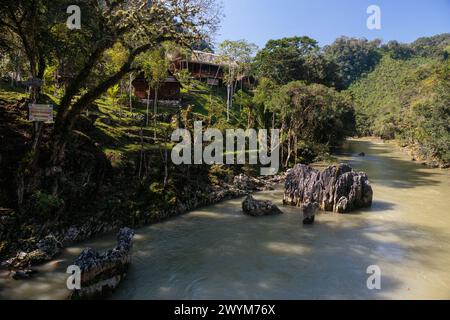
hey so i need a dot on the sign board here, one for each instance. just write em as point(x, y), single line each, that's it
point(41, 112)
point(213, 82)
point(34, 83)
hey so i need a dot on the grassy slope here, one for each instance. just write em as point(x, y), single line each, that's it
point(118, 129)
point(122, 197)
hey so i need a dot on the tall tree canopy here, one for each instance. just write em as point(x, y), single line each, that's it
point(39, 29)
point(354, 57)
point(283, 60)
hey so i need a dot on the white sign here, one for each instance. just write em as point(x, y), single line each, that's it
point(41, 112)
point(213, 82)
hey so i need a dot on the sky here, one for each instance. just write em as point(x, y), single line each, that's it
point(258, 21)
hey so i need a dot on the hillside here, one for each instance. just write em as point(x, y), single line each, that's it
point(116, 172)
point(408, 100)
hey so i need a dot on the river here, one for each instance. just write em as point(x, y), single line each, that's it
point(218, 253)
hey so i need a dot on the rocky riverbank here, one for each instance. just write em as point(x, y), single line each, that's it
point(21, 263)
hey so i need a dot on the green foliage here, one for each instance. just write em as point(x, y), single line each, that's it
point(354, 57)
point(246, 107)
point(283, 60)
point(46, 205)
point(113, 92)
point(154, 64)
point(435, 46)
point(316, 116)
point(407, 100)
point(185, 78)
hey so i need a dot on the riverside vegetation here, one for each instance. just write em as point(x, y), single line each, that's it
point(105, 162)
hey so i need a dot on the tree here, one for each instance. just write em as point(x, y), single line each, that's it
point(312, 116)
point(238, 56)
point(399, 50)
point(112, 94)
point(263, 96)
point(283, 60)
point(435, 46)
point(245, 101)
point(137, 25)
point(354, 57)
point(155, 68)
point(27, 25)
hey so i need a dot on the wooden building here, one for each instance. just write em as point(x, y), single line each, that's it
point(169, 90)
point(203, 66)
point(207, 67)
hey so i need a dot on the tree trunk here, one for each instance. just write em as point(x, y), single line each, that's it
point(148, 105)
point(155, 110)
point(131, 92)
point(273, 120)
point(166, 160)
point(295, 148)
point(289, 151)
point(228, 102)
point(141, 135)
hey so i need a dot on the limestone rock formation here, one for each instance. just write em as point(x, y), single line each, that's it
point(258, 208)
point(309, 212)
point(46, 250)
point(337, 188)
point(246, 183)
point(102, 273)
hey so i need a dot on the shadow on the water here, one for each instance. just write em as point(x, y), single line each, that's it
point(380, 206)
point(384, 167)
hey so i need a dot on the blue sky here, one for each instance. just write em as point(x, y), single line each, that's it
point(324, 20)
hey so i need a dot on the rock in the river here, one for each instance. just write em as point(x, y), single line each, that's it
point(258, 208)
point(337, 188)
point(309, 212)
point(22, 274)
point(47, 249)
point(50, 246)
point(102, 273)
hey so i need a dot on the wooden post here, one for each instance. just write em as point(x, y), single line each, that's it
point(131, 90)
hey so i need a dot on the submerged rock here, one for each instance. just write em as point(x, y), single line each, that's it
point(309, 212)
point(258, 208)
point(102, 273)
point(337, 188)
point(22, 274)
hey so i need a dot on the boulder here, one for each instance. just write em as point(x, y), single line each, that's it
point(258, 208)
point(22, 274)
point(46, 249)
point(50, 246)
point(102, 273)
point(337, 188)
point(309, 212)
point(245, 182)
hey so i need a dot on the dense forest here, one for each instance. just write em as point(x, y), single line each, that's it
point(105, 159)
